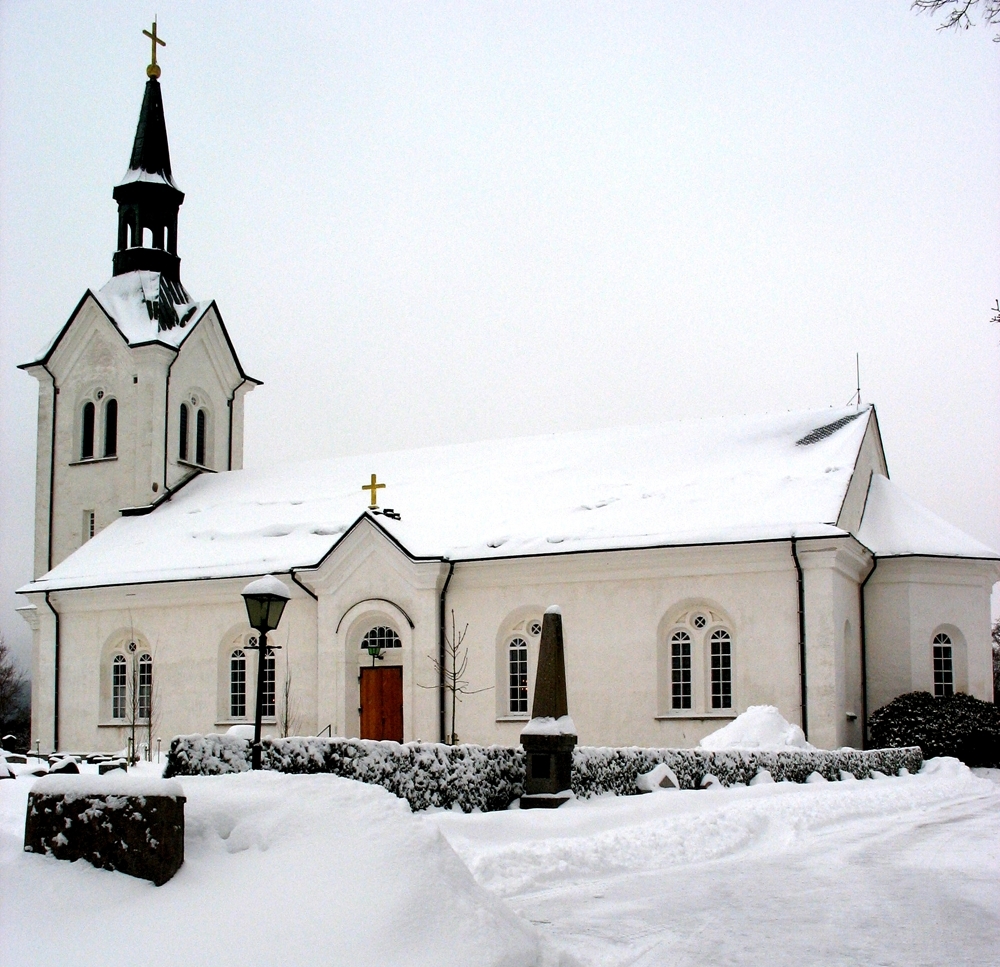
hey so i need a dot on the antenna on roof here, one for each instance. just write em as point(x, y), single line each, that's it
point(856, 398)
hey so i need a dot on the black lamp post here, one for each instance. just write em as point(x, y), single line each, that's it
point(266, 599)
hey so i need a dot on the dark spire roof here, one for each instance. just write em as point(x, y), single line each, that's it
point(150, 151)
point(148, 200)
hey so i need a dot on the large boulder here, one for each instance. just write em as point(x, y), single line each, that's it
point(116, 822)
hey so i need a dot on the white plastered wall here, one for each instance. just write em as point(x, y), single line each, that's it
point(907, 601)
point(614, 605)
point(183, 625)
point(368, 581)
point(205, 371)
point(832, 571)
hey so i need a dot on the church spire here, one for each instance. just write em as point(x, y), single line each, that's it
point(148, 200)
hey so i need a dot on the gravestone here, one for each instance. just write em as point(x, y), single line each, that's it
point(550, 737)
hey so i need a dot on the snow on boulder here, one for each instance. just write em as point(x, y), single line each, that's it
point(659, 779)
point(759, 727)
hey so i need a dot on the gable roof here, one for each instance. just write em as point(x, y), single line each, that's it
point(895, 525)
point(710, 481)
point(131, 303)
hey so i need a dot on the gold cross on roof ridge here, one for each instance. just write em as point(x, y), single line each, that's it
point(374, 488)
point(154, 70)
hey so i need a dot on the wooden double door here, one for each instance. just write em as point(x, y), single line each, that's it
point(382, 703)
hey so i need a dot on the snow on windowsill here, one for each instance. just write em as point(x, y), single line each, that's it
point(723, 714)
point(513, 718)
point(228, 723)
point(83, 463)
point(195, 466)
point(122, 724)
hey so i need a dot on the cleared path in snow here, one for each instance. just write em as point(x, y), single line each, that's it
point(882, 872)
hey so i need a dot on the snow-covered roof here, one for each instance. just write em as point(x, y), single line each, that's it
point(137, 302)
point(895, 525)
point(149, 177)
point(695, 482)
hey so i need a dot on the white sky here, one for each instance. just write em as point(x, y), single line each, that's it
point(432, 223)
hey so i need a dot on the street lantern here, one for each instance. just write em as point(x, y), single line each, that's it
point(265, 599)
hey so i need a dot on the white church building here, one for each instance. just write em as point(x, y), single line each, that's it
point(701, 567)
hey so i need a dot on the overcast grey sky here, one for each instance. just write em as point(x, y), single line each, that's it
point(440, 222)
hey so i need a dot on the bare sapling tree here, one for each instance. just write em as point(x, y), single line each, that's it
point(288, 721)
point(152, 709)
point(132, 701)
point(995, 636)
point(452, 673)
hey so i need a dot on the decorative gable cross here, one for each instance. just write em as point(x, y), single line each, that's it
point(374, 488)
point(153, 70)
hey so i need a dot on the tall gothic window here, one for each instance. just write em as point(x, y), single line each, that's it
point(267, 706)
point(182, 450)
point(87, 438)
point(680, 670)
point(722, 670)
point(111, 428)
point(119, 678)
point(238, 684)
point(145, 696)
point(201, 428)
point(944, 671)
point(517, 666)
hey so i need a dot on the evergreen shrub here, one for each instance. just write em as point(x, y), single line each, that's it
point(955, 725)
point(489, 778)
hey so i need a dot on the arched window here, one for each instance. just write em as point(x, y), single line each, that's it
point(87, 438)
point(238, 684)
point(267, 705)
point(201, 429)
point(381, 637)
point(517, 666)
point(722, 669)
point(145, 702)
point(680, 670)
point(944, 668)
point(119, 678)
point(111, 428)
point(182, 450)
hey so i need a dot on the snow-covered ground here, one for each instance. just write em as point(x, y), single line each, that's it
point(319, 870)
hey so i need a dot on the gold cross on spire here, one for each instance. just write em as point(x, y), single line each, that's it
point(374, 488)
point(154, 70)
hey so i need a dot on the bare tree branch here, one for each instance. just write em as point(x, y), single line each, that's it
point(956, 12)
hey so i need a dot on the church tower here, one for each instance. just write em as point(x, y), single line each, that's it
point(142, 389)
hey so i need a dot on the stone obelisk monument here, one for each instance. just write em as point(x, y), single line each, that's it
point(550, 737)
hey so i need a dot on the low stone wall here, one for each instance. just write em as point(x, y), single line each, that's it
point(489, 778)
point(115, 822)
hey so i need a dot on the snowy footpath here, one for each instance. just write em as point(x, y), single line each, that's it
point(316, 870)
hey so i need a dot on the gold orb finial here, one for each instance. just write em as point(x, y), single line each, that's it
point(154, 69)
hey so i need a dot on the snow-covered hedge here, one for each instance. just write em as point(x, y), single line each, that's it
point(956, 725)
point(427, 774)
point(602, 770)
point(490, 778)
